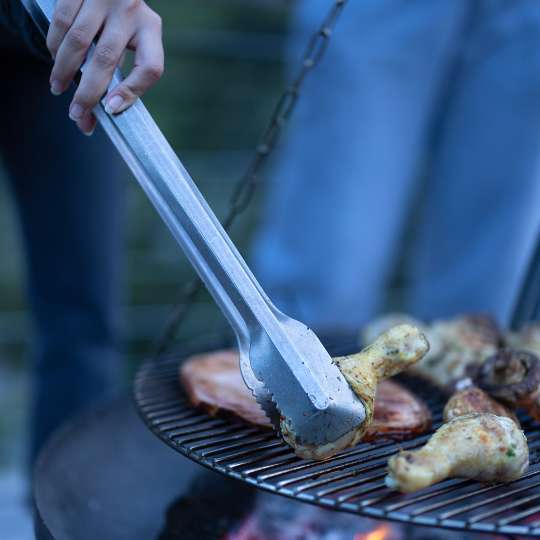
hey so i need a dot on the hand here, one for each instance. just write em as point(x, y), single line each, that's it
point(118, 25)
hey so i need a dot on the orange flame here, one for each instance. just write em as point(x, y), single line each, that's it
point(382, 532)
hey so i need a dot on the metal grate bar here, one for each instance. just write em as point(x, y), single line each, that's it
point(450, 501)
point(352, 480)
point(157, 414)
point(163, 405)
point(202, 424)
point(190, 422)
point(429, 495)
point(247, 452)
point(354, 483)
point(453, 500)
point(366, 490)
point(521, 515)
point(474, 493)
point(499, 510)
point(169, 390)
point(315, 464)
point(243, 436)
point(186, 439)
point(348, 464)
point(259, 458)
point(490, 500)
point(465, 496)
point(362, 493)
point(240, 444)
point(354, 472)
point(164, 419)
point(289, 459)
point(277, 446)
point(303, 465)
point(323, 469)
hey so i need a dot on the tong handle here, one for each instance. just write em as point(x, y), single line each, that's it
point(189, 218)
point(177, 199)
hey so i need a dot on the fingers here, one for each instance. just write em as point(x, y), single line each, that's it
point(148, 69)
point(64, 14)
point(120, 24)
point(87, 124)
point(99, 70)
point(74, 47)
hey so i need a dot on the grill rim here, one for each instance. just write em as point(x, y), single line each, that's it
point(174, 401)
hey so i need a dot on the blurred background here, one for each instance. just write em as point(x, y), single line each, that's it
point(224, 72)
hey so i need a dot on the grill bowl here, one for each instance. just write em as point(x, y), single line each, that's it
point(353, 480)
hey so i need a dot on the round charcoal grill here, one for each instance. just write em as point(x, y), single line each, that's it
point(352, 481)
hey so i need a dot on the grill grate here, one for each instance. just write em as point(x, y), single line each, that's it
point(352, 481)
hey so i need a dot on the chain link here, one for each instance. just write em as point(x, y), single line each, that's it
point(249, 181)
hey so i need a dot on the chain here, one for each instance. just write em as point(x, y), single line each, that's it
point(249, 181)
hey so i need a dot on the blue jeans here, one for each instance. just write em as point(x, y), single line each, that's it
point(445, 90)
point(69, 200)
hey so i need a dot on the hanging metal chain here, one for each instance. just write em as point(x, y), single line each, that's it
point(249, 181)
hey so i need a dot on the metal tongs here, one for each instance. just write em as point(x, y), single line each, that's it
point(282, 361)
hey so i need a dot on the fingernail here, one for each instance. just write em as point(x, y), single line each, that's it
point(114, 104)
point(89, 133)
point(56, 88)
point(76, 112)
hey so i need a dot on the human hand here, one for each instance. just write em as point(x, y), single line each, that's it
point(118, 25)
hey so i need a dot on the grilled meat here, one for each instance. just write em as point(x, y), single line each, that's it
point(514, 378)
point(398, 415)
point(482, 447)
point(392, 352)
point(463, 342)
point(214, 382)
point(455, 345)
point(474, 400)
point(527, 339)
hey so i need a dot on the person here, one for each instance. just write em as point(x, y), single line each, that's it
point(68, 189)
point(445, 90)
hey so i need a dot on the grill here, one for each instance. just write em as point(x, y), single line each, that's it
point(352, 481)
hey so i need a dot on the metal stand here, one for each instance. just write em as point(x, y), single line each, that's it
point(527, 307)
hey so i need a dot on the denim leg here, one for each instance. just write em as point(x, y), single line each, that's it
point(339, 196)
point(69, 198)
point(481, 218)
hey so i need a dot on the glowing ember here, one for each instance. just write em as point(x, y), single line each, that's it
point(380, 533)
point(274, 518)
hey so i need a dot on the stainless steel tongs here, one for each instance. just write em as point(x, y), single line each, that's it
point(282, 361)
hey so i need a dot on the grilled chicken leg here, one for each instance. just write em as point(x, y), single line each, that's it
point(482, 447)
point(391, 353)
